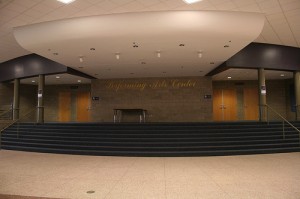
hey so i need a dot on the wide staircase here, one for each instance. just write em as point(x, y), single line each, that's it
point(152, 139)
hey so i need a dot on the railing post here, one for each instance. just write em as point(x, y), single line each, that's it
point(0, 139)
point(18, 136)
point(283, 133)
point(267, 108)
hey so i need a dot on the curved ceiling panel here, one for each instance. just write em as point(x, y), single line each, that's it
point(174, 43)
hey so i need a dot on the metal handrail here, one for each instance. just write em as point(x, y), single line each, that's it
point(14, 122)
point(283, 120)
point(5, 112)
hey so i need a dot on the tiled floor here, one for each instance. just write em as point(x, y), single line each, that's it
point(274, 176)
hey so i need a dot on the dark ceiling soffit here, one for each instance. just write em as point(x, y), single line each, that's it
point(29, 66)
point(33, 65)
point(219, 69)
point(72, 71)
point(259, 55)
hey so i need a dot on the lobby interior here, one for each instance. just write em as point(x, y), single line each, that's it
point(203, 62)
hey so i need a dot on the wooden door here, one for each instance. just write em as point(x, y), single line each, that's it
point(218, 105)
point(224, 105)
point(230, 105)
point(64, 109)
point(250, 104)
point(83, 104)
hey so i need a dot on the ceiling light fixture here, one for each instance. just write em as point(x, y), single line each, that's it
point(282, 75)
point(66, 1)
point(57, 77)
point(228, 77)
point(81, 59)
point(199, 54)
point(79, 81)
point(33, 81)
point(191, 1)
point(158, 54)
point(117, 55)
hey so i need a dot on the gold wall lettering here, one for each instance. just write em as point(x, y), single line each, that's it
point(116, 86)
point(141, 86)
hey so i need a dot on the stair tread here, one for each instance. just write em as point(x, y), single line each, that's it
point(153, 139)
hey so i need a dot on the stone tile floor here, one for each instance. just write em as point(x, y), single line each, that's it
point(272, 176)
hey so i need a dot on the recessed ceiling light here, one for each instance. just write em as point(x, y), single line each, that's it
point(181, 45)
point(79, 81)
point(66, 1)
point(92, 49)
point(135, 45)
point(81, 59)
point(33, 81)
point(282, 75)
point(57, 77)
point(228, 77)
point(191, 1)
point(117, 55)
point(158, 53)
point(199, 54)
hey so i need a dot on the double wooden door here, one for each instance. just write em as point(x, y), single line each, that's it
point(74, 107)
point(225, 105)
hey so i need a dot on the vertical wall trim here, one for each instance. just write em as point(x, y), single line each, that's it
point(297, 94)
point(40, 106)
point(262, 95)
point(16, 102)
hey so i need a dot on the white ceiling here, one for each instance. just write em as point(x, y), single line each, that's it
point(281, 16)
point(137, 37)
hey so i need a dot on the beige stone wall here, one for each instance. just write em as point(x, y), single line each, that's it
point(27, 98)
point(6, 95)
point(165, 99)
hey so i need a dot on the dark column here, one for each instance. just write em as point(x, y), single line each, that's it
point(262, 95)
point(16, 102)
point(40, 106)
point(297, 94)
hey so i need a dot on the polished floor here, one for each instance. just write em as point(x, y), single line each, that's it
point(273, 176)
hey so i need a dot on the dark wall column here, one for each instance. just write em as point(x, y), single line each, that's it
point(262, 95)
point(40, 106)
point(16, 102)
point(297, 94)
